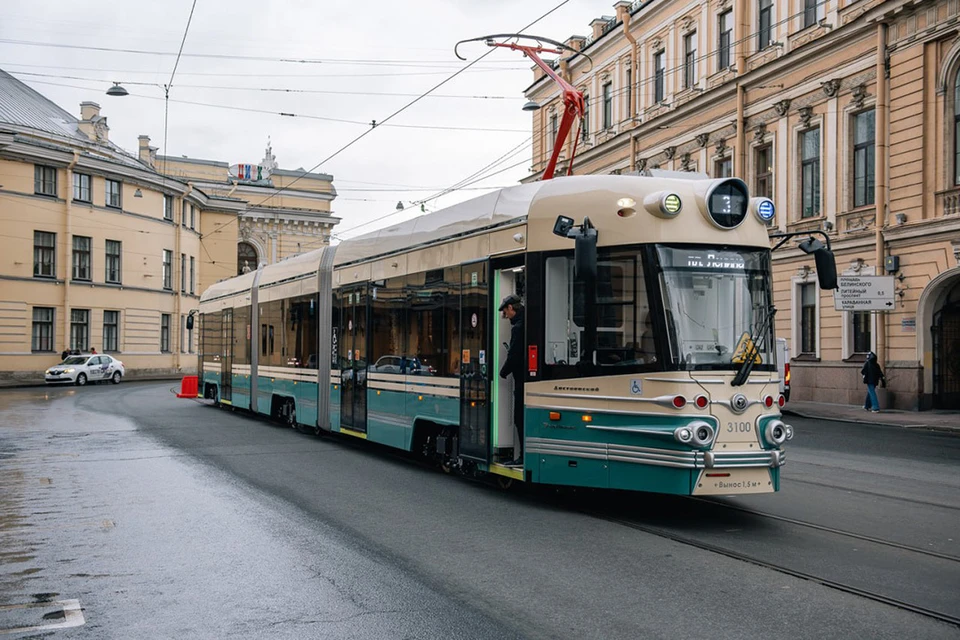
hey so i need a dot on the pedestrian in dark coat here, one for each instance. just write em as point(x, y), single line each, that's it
point(872, 376)
point(512, 309)
point(64, 355)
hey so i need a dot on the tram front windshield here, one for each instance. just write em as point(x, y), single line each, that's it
point(715, 300)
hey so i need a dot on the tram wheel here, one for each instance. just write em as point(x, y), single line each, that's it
point(504, 482)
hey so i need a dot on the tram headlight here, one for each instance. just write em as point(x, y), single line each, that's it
point(776, 432)
point(683, 435)
point(703, 433)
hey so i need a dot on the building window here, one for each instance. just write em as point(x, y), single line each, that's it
point(42, 329)
point(812, 12)
point(863, 158)
point(167, 269)
point(190, 340)
point(183, 273)
point(862, 321)
point(629, 92)
point(113, 193)
point(81, 187)
point(553, 131)
point(586, 117)
point(193, 275)
point(689, 60)
point(80, 329)
point(165, 332)
point(113, 262)
point(764, 166)
point(808, 319)
point(726, 39)
point(607, 105)
point(193, 217)
point(44, 254)
point(810, 173)
point(723, 167)
point(44, 181)
point(81, 258)
point(765, 32)
point(246, 257)
point(168, 208)
point(111, 330)
point(956, 129)
point(183, 334)
point(659, 90)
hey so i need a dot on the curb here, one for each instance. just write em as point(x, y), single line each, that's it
point(42, 383)
point(929, 427)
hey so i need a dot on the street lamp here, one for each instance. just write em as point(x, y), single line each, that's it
point(531, 106)
point(117, 90)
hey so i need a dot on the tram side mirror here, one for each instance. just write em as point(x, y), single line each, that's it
point(585, 253)
point(826, 263)
point(190, 322)
point(562, 226)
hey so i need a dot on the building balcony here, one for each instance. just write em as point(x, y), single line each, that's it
point(948, 202)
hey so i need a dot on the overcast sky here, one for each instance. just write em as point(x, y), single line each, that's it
point(363, 48)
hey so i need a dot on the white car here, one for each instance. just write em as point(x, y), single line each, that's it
point(80, 370)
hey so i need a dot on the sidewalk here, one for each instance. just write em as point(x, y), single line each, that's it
point(939, 420)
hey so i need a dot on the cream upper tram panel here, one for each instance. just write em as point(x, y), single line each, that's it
point(601, 197)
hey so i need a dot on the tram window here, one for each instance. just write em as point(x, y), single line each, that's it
point(300, 332)
point(210, 345)
point(428, 332)
point(451, 320)
point(271, 317)
point(388, 354)
point(241, 328)
point(624, 333)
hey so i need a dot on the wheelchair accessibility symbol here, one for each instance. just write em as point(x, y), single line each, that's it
point(636, 387)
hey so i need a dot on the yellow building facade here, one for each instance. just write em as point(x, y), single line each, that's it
point(845, 112)
point(99, 249)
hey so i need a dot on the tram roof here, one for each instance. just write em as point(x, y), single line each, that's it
point(486, 211)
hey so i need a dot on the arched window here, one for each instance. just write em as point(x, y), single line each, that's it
point(246, 257)
point(956, 128)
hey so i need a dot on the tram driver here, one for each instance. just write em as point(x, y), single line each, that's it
point(512, 309)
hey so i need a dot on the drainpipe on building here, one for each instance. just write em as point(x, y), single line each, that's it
point(633, 153)
point(67, 244)
point(178, 300)
point(623, 14)
point(741, 28)
point(880, 168)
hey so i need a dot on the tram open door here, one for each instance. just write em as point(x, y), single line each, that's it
point(509, 278)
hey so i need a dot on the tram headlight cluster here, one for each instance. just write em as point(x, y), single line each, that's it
point(776, 432)
point(697, 433)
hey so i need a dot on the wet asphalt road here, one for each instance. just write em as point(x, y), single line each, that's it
point(167, 518)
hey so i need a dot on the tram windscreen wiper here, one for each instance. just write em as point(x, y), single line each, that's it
point(753, 350)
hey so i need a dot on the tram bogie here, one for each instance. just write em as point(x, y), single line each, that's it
point(649, 350)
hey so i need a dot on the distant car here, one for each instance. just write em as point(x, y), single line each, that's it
point(80, 370)
point(403, 365)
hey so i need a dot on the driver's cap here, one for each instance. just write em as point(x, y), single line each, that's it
point(513, 299)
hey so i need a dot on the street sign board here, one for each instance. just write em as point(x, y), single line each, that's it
point(864, 293)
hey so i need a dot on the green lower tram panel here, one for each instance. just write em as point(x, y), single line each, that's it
point(603, 453)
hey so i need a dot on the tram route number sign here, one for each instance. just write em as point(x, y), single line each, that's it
point(864, 293)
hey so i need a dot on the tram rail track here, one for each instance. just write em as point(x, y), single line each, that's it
point(824, 528)
point(780, 568)
point(929, 503)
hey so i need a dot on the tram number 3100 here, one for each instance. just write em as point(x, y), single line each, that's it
point(738, 427)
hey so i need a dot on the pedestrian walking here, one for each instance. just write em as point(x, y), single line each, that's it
point(872, 376)
point(64, 355)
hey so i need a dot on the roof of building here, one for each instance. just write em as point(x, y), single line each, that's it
point(25, 107)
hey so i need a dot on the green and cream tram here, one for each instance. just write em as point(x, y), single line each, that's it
point(649, 349)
